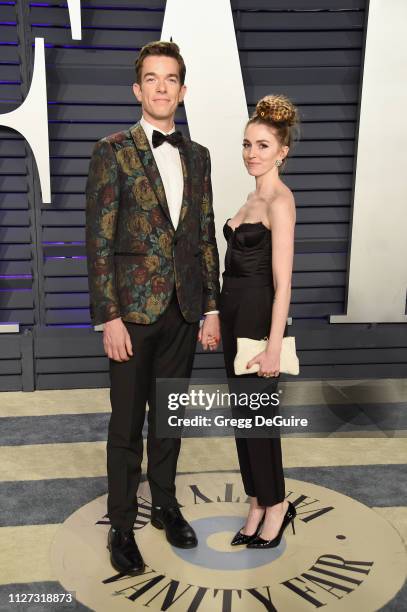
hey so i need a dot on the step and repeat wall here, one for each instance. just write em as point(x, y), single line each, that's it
point(314, 51)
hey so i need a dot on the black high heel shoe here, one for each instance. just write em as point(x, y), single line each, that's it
point(240, 538)
point(289, 516)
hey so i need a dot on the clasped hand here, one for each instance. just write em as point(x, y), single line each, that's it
point(209, 332)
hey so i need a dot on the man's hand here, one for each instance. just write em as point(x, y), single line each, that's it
point(209, 333)
point(116, 340)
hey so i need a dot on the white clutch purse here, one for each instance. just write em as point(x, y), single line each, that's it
point(247, 348)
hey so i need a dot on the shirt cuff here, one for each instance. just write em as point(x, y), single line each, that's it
point(211, 312)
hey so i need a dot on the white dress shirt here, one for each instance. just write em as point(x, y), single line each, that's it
point(168, 160)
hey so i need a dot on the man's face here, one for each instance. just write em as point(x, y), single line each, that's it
point(160, 90)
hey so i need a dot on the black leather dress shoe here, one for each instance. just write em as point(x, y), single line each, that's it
point(124, 553)
point(179, 533)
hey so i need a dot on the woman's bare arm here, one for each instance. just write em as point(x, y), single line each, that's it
point(282, 217)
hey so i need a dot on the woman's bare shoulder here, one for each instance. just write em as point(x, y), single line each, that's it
point(284, 193)
point(283, 203)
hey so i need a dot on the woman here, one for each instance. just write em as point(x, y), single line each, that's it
point(255, 301)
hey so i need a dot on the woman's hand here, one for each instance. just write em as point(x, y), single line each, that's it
point(269, 363)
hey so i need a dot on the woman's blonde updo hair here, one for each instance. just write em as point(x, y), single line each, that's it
point(279, 112)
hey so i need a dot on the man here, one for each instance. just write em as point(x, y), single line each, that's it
point(153, 271)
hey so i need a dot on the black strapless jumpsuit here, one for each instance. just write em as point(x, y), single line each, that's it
point(245, 311)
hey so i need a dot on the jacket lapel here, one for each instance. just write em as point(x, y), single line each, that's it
point(186, 160)
point(150, 167)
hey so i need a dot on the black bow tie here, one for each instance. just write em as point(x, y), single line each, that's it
point(175, 139)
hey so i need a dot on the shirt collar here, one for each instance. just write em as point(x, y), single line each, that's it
point(149, 129)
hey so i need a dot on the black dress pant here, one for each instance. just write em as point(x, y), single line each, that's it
point(245, 311)
point(164, 349)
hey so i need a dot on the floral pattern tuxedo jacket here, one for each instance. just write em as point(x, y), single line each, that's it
point(135, 256)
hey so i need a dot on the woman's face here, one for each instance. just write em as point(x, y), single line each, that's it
point(261, 149)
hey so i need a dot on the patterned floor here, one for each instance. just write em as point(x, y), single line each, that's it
point(52, 461)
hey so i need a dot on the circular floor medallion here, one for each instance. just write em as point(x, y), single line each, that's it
point(344, 556)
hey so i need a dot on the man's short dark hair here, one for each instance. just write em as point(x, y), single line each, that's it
point(158, 47)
